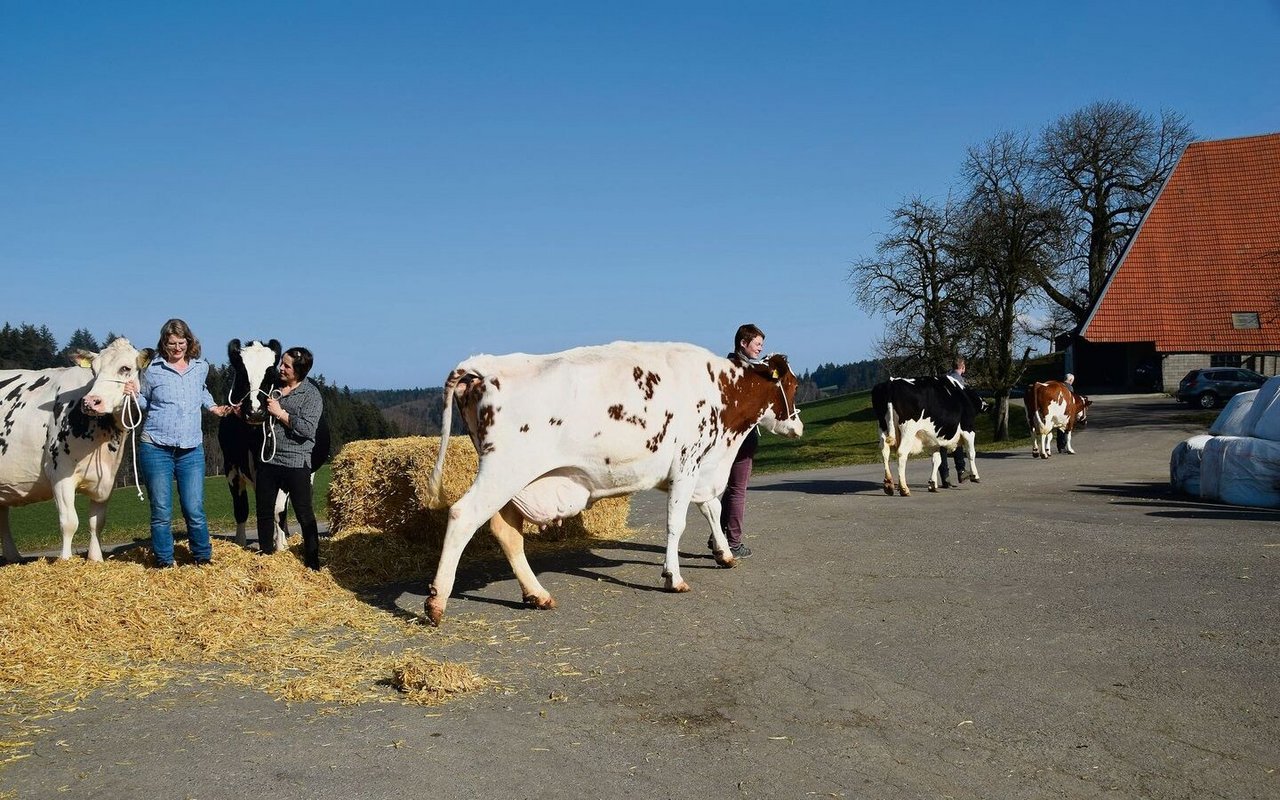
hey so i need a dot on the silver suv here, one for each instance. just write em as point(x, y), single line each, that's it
point(1208, 388)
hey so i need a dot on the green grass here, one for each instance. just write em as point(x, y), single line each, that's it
point(35, 527)
point(842, 430)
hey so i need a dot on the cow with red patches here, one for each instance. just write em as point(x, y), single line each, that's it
point(623, 417)
point(1052, 406)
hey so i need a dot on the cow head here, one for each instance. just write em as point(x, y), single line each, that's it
point(253, 376)
point(1082, 408)
point(116, 364)
point(781, 415)
point(979, 402)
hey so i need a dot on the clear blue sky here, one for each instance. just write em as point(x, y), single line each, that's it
point(399, 185)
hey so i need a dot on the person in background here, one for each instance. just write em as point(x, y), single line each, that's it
point(293, 411)
point(1070, 381)
point(748, 345)
point(171, 446)
point(956, 374)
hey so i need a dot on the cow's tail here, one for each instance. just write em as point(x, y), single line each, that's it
point(435, 493)
point(889, 426)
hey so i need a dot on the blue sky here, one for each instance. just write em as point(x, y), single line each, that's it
point(399, 185)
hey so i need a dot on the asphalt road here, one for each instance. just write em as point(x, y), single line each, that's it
point(1068, 628)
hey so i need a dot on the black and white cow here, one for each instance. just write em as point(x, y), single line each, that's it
point(919, 413)
point(557, 432)
point(62, 431)
point(240, 435)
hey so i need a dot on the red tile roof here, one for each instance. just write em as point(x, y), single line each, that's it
point(1207, 247)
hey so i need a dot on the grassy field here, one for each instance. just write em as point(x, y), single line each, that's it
point(837, 432)
point(35, 527)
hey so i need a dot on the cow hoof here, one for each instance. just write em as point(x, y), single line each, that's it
point(933, 487)
point(540, 603)
point(671, 585)
point(975, 479)
point(726, 560)
point(904, 491)
point(434, 613)
point(888, 488)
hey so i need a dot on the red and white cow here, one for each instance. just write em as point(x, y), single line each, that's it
point(61, 431)
point(1051, 406)
point(933, 412)
point(558, 432)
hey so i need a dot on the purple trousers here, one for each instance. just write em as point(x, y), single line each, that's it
point(733, 503)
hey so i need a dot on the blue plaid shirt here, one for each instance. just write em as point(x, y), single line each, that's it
point(173, 402)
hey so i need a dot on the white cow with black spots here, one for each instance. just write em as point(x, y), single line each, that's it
point(62, 431)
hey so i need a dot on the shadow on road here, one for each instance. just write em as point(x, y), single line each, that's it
point(818, 486)
point(1171, 504)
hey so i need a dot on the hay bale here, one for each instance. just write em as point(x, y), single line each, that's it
point(381, 485)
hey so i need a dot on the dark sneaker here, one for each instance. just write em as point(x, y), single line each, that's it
point(204, 562)
point(740, 551)
point(948, 485)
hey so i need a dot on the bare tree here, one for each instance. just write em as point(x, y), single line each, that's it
point(915, 284)
point(1104, 164)
point(1007, 243)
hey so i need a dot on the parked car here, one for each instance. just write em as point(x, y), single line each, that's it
point(1208, 388)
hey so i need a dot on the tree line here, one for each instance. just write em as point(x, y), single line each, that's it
point(1038, 221)
point(350, 417)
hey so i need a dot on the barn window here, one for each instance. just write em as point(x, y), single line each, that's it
point(1224, 360)
point(1245, 320)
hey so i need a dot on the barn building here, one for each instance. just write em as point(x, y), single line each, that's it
point(1199, 284)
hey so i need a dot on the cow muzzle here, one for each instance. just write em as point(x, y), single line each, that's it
point(93, 405)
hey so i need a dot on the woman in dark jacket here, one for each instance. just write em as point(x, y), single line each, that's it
point(293, 411)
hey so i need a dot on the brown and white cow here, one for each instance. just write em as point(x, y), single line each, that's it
point(557, 432)
point(1053, 406)
point(62, 431)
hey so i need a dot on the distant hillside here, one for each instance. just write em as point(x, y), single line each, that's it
point(415, 412)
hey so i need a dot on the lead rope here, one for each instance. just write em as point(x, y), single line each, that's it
point(132, 419)
point(270, 432)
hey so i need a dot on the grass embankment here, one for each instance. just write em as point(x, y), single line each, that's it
point(837, 432)
point(35, 527)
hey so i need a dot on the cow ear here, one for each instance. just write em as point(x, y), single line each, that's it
point(233, 348)
point(274, 344)
point(766, 371)
point(81, 358)
point(144, 357)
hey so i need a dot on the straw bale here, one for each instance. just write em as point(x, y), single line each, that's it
point(381, 485)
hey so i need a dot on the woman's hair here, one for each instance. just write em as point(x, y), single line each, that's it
point(302, 361)
point(176, 327)
point(746, 333)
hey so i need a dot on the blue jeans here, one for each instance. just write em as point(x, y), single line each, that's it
point(161, 465)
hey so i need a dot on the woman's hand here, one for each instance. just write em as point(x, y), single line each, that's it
point(276, 410)
point(131, 387)
point(220, 411)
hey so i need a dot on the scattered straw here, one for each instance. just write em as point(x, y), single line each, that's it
point(73, 627)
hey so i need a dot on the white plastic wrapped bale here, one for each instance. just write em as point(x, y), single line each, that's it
point(1241, 470)
point(1231, 422)
point(1184, 464)
point(1263, 419)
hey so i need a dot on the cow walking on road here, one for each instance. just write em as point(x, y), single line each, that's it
point(556, 432)
point(1053, 406)
point(62, 431)
point(919, 413)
